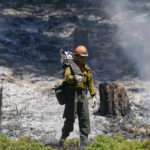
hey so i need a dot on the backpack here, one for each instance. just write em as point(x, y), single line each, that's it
point(61, 93)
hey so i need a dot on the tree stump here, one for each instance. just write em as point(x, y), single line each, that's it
point(114, 100)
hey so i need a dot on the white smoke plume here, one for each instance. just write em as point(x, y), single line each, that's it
point(133, 21)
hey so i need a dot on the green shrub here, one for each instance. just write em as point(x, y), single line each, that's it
point(136, 145)
point(101, 143)
point(24, 143)
point(117, 143)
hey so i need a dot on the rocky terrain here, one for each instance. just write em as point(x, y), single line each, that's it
point(30, 38)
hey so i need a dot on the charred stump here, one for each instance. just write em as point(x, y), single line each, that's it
point(114, 100)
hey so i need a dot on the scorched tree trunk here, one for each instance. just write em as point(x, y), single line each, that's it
point(114, 100)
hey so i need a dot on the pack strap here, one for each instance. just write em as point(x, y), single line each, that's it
point(75, 68)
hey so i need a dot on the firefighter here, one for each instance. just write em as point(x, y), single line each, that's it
point(76, 102)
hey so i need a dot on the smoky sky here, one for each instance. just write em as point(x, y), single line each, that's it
point(133, 36)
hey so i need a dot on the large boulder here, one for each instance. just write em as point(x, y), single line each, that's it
point(114, 100)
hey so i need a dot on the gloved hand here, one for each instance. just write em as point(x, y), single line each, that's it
point(78, 78)
point(93, 101)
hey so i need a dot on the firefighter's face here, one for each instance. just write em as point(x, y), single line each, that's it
point(80, 59)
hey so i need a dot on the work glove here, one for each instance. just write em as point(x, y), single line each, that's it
point(78, 78)
point(93, 101)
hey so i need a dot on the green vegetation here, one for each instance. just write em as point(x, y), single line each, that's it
point(72, 144)
point(24, 143)
point(117, 143)
point(101, 143)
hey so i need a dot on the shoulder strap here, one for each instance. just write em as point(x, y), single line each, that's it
point(75, 68)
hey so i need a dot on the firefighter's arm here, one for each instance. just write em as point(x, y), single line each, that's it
point(69, 78)
point(91, 84)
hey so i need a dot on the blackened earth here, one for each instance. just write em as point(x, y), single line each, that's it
point(30, 39)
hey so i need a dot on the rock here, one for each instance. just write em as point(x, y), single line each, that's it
point(114, 100)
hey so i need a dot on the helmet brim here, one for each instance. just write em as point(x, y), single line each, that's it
point(80, 54)
point(84, 55)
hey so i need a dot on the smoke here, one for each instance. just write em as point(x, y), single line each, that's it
point(133, 21)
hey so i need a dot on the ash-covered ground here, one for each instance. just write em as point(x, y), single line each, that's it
point(30, 38)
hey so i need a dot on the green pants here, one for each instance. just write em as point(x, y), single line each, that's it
point(76, 106)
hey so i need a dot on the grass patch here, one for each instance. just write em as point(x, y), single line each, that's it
point(24, 143)
point(101, 143)
point(117, 143)
point(72, 144)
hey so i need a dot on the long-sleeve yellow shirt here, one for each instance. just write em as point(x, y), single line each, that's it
point(87, 79)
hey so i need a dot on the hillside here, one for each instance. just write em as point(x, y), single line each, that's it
point(31, 35)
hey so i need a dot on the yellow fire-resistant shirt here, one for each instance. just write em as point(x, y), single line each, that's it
point(86, 83)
